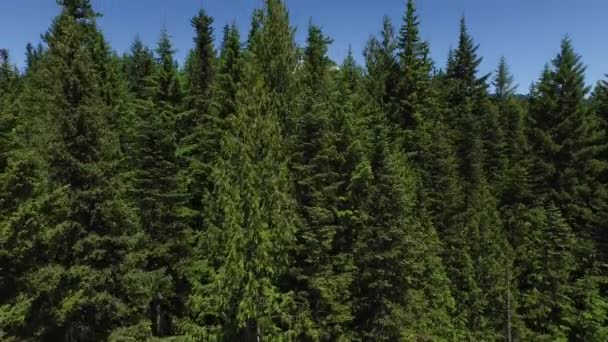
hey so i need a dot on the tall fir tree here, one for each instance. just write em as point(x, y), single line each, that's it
point(382, 67)
point(250, 227)
point(478, 256)
point(272, 42)
point(139, 67)
point(196, 123)
point(567, 142)
point(322, 167)
point(168, 86)
point(32, 55)
point(158, 194)
point(466, 96)
point(600, 103)
point(86, 281)
point(200, 65)
point(250, 214)
point(415, 67)
point(199, 69)
point(513, 182)
point(398, 293)
point(600, 98)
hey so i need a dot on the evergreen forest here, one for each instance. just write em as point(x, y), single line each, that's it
point(261, 191)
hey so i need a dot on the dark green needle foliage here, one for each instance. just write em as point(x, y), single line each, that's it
point(139, 66)
point(194, 125)
point(567, 144)
point(400, 289)
point(260, 191)
point(85, 281)
point(156, 192)
point(322, 166)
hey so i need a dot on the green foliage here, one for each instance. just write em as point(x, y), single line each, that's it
point(156, 193)
point(251, 225)
point(546, 261)
point(139, 66)
point(322, 165)
point(401, 292)
point(263, 192)
point(84, 236)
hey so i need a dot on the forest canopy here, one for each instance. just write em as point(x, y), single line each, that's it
point(264, 192)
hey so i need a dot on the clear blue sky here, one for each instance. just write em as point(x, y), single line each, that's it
point(526, 32)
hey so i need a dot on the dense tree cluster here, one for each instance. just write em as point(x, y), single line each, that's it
point(263, 192)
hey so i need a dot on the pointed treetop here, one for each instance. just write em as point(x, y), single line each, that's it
point(200, 68)
point(414, 51)
point(203, 41)
point(273, 45)
point(203, 26)
point(231, 40)
point(450, 61)
point(388, 34)
point(544, 78)
point(569, 69)
point(464, 34)
point(409, 40)
point(168, 85)
point(256, 22)
point(349, 62)
point(503, 81)
point(79, 9)
point(164, 48)
point(350, 57)
point(5, 71)
point(600, 97)
point(315, 53)
point(3, 57)
point(137, 45)
point(466, 62)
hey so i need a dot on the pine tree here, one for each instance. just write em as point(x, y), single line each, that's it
point(382, 67)
point(8, 73)
point(32, 55)
point(467, 104)
point(546, 261)
point(600, 102)
point(197, 125)
point(322, 166)
point(272, 42)
point(85, 281)
point(250, 227)
point(567, 142)
point(600, 97)
point(478, 257)
point(513, 183)
point(168, 87)
point(139, 65)
point(250, 214)
point(157, 193)
point(200, 71)
point(503, 81)
point(400, 291)
point(200, 67)
point(229, 72)
point(414, 70)
point(425, 138)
